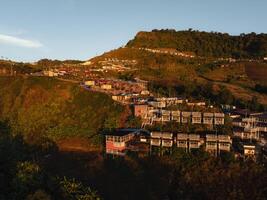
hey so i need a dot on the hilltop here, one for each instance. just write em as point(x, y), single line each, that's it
point(208, 44)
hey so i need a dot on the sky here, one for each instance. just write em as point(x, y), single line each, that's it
point(81, 29)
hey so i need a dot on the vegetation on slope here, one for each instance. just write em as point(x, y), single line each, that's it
point(204, 43)
point(20, 68)
point(23, 176)
point(218, 81)
point(40, 172)
point(44, 107)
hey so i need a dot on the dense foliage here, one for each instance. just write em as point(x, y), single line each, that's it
point(22, 175)
point(46, 63)
point(38, 171)
point(206, 92)
point(16, 67)
point(47, 107)
point(181, 175)
point(204, 43)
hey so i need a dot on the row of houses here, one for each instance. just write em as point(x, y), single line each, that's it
point(252, 126)
point(164, 102)
point(121, 140)
point(258, 121)
point(212, 142)
point(170, 52)
point(151, 115)
point(117, 87)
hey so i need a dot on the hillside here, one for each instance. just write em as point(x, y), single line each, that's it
point(208, 44)
point(43, 107)
point(170, 74)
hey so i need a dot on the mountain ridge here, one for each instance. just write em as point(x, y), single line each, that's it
point(210, 44)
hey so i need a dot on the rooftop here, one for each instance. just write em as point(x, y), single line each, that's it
point(122, 132)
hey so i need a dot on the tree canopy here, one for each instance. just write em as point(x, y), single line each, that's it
point(211, 44)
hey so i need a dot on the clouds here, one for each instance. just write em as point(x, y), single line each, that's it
point(16, 41)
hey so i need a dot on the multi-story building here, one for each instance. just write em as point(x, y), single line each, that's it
point(157, 104)
point(164, 139)
point(186, 117)
point(218, 143)
point(175, 115)
point(254, 120)
point(155, 139)
point(166, 115)
point(196, 118)
point(247, 132)
point(224, 143)
point(249, 150)
point(116, 142)
point(211, 143)
point(140, 110)
point(218, 118)
point(188, 141)
point(106, 86)
point(89, 83)
point(194, 141)
point(167, 139)
point(182, 140)
point(208, 118)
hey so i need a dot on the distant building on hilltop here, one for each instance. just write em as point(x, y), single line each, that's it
point(89, 83)
point(106, 86)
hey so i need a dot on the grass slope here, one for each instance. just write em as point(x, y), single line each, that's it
point(239, 78)
point(44, 107)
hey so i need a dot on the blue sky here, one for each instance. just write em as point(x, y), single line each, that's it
point(80, 29)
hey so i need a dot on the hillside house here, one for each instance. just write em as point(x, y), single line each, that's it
point(196, 118)
point(248, 132)
point(224, 143)
point(166, 115)
point(208, 118)
point(218, 118)
point(175, 115)
point(157, 104)
point(188, 141)
point(218, 143)
point(186, 117)
point(211, 143)
point(116, 142)
point(121, 98)
point(182, 140)
point(140, 110)
point(106, 86)
point(255, 120)
point(249, 150)
point(164, 139)
point(200, 103)
point(155, 139)
point(145, 92)
point(167, 139)
point(194, 141)
point(89, 83)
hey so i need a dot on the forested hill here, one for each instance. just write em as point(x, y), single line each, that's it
point(44, 107)
point(212, 44)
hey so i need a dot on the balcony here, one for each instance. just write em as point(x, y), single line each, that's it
point(167, 143)
point(155, 142)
